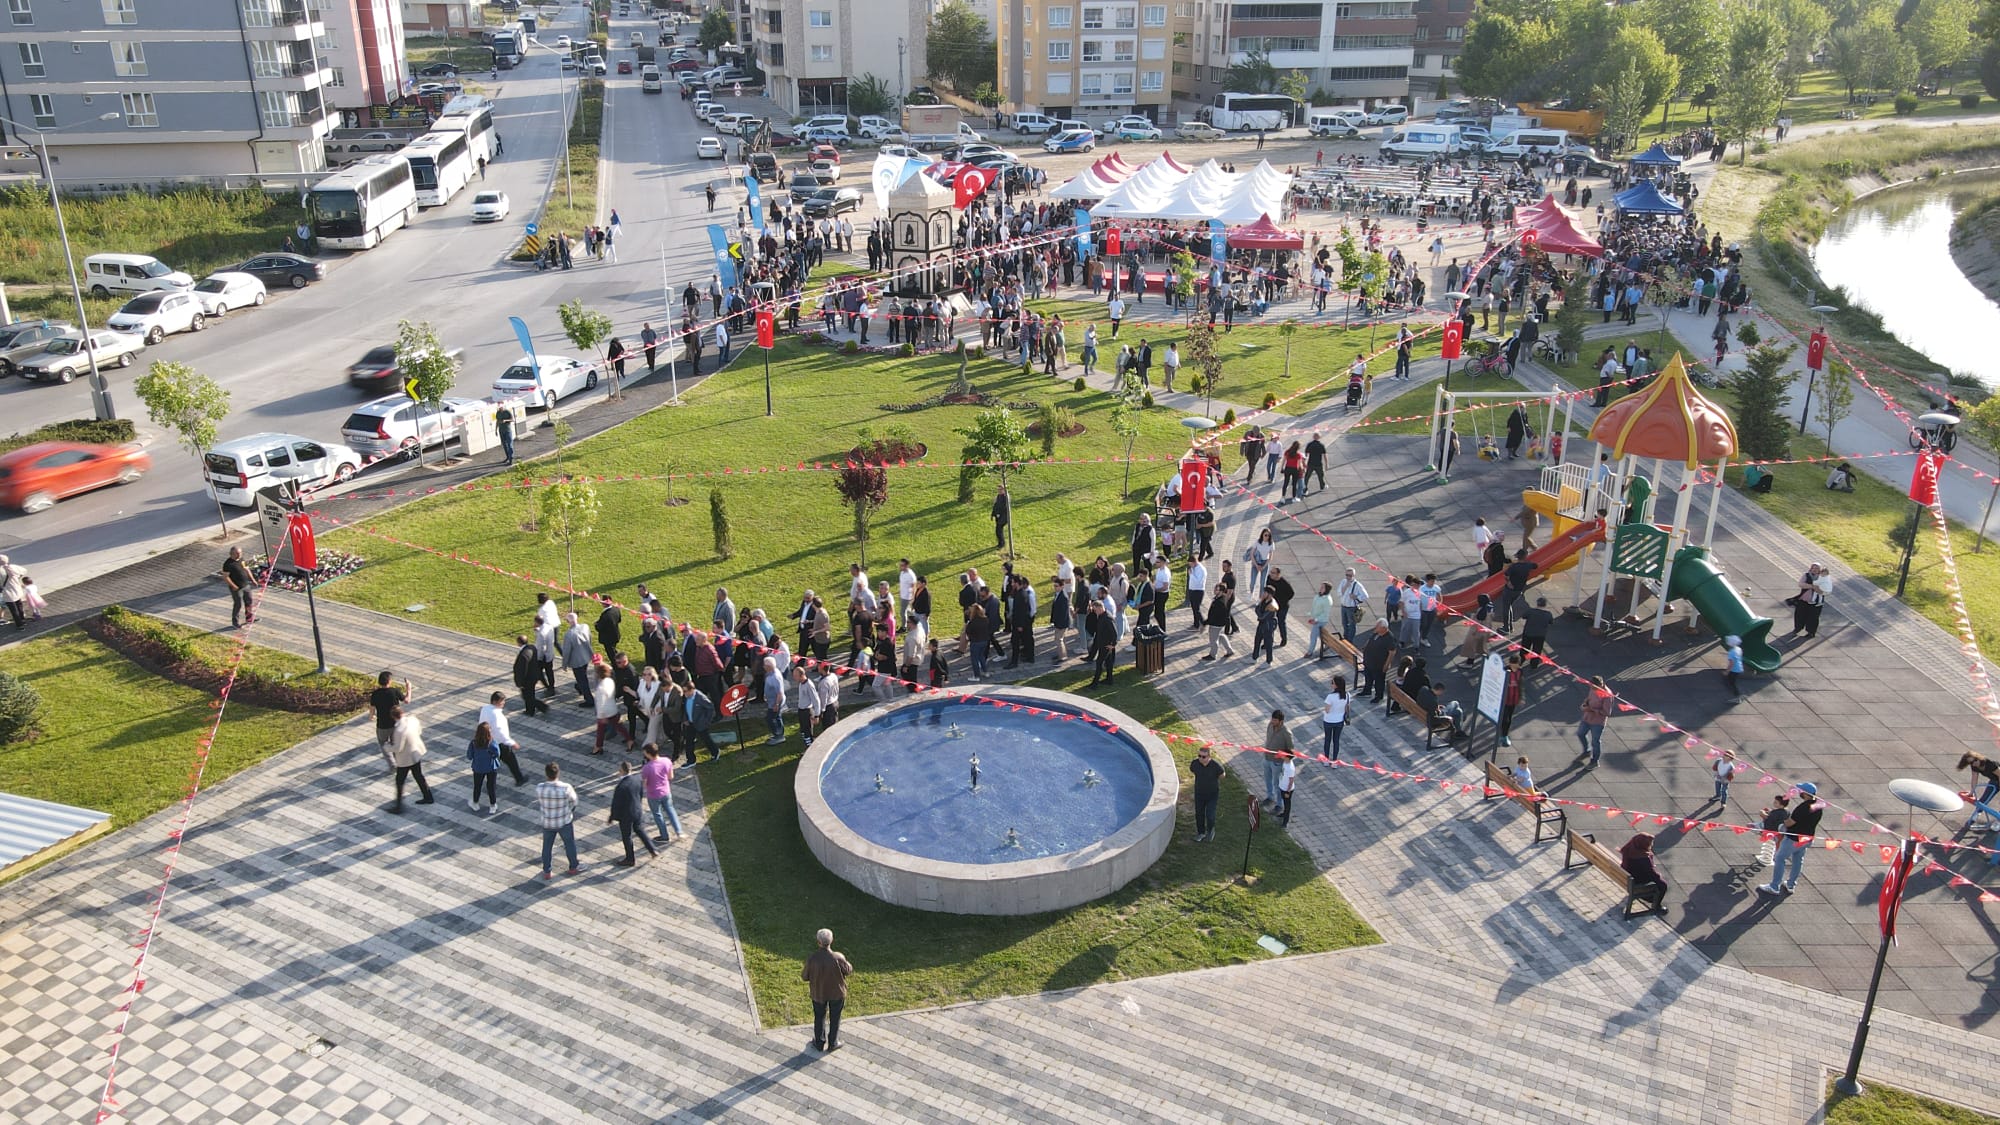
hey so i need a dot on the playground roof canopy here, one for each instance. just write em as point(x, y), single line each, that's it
point(1643, 198)
point(1658, 156)
point(1670, 420)
point(1555, 231)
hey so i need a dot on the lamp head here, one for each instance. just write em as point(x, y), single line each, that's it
point(112, 116)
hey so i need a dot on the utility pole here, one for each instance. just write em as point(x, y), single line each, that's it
point(901, 50)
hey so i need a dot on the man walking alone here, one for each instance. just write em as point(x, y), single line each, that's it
point(826, 974)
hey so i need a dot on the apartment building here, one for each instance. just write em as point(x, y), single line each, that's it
point(363, 47)
point(1440, 38)
point(214, 88)
point(443, 17)
point(810, 49)
point(1089, 58)
point(1351, 51)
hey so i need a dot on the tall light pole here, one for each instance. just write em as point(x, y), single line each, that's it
point(1811, 374)
point(100, 390)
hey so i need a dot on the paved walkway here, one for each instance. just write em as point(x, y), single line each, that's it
point(322, 960)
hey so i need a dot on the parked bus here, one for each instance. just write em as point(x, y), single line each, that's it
point(442, 164)
point(363, 203)
point(1243, 112)
point(477, 125)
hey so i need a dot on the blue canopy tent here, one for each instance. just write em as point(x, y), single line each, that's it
point(1657, 157)
point(1644, 199)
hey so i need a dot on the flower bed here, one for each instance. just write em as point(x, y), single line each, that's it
point(332, 564)
point(180, 654)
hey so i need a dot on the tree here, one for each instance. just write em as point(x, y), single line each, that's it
point(429, 370)
point(995, 440)
point(716, 29)
point(1989, 69)
point(1125, 422)
point(569, 511)
point(1203, 359)
point(1693, 32)
point(961, 51)
point(1836, 398)
point(1872, 55)
point(1851, 52)
point(1762, 393)
point(1574, 314)
point(869, 95)
point(1983, 422)
point(1504, 57)
point(20, 708)
point(1624, 105)
point(864, 486)
point(1254, 75)
point(1186, 269)
point(1941, 32)
point(1636, 53)
point(1805, 24)
point(187, 404)
point(1293, 84)
point(588, 329)
point(1752, 92)
point(718, 524)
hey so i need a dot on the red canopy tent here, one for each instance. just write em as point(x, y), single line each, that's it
point(1265, 235)
point(1553, 229)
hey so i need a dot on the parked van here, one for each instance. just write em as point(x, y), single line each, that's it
point(1532, 140)
point(1422, 141)
point(649, 79)
point(1335, 122)
point(235, 470)
point(105, 274)
point(1033, 124)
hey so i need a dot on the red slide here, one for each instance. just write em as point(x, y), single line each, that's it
point(1576, 539)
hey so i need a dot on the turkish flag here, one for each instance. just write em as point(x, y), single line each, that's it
point(970, 182)
point(1454, 338)
point(1924, 479)
point(1530, 237)
point(1890, 901)
point(767, 328)
point(1816, 350)
point(1194, 484)
point(1111, 245)
point(305, 551)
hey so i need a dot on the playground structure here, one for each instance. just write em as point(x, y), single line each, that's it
point(1685, 437)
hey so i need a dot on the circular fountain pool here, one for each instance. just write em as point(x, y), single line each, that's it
point(1072, 801)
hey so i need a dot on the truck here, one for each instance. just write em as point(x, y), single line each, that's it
point(528, 24)
point(935, 126)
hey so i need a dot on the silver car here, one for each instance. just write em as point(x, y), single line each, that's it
point(65, 358)
point(394, 424)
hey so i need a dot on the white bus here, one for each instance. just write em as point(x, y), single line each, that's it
point(477, 125)
point(1250, 111)
point(442, 164)
point(363, 203)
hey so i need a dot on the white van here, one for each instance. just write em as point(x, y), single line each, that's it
point(1033, 124)
point(1422, 141)
point(1532, 140)
point(237, 469)
point(1335, 122)
point(105, 274)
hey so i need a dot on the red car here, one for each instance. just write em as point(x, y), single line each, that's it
point(624, 66)
point(34, 477)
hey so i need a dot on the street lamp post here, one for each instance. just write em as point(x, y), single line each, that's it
point(1811, 374)
point(100, 390)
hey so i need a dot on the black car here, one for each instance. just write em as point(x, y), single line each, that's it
point(830, 201)
point(274, 270)
point(376, 372)
point(922, 95)
point(437, 70)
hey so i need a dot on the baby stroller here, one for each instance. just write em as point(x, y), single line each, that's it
point(1353, 391)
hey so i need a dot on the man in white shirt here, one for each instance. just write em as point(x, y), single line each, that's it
point(1163, 580)
point(1115, 311)
point(1353, 598)
point(857, 587)
point(1173, 364)
point(1197, 588)
point(494, 715)
point(906, 583)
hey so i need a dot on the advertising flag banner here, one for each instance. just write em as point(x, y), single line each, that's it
point(886, 175)
point(756, 194)
point(527, 342)
point(1083, 232)
point(1218, 242)
point(725, 262)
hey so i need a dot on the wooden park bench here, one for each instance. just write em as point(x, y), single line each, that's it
point(1548, 815)
point(1605, 860)
point(1433, 725)
point(1332, 643)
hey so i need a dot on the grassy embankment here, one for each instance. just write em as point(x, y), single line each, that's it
point(572, 202)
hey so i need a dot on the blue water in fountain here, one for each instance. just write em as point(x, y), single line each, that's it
point(1031, 779)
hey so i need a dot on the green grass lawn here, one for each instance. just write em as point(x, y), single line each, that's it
point(119, 739)
point(573, 197)
point(1883, 1105)
point(198, 230)
point(790, 531)
point(1822, 96)
point(1187, 912)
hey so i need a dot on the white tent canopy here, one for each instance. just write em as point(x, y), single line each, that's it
point(1161, 189)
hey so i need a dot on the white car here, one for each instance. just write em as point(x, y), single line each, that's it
point(1389, 115)
point(708, 148)
point(236, 469)
point(876, 128)
point(489, 207)
point(393, 424)
point(904, 151)
point(65, 358)
point(1117, 125)
point(153, 316)
point(562, 42)
point(220, 293)
point(730, 123)
point(560, 377)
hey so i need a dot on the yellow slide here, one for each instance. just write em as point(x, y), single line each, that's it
point(1559, 525)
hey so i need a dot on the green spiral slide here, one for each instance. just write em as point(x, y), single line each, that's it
point(1697, 579)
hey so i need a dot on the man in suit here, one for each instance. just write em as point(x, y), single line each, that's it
point(1104, 645)
point(697, 713)
point(609, 623)
point(528, 674)
point(628, 805)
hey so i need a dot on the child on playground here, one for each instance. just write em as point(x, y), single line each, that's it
point(1774, 821)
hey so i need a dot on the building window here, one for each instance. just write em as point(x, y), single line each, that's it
point(128, 58)
point(1121, 85)
point(1423, 32)
point(1121, 51)
point(265, 61)
point(1093, 18)
point(820, 17)
point(1058, 52)
point(1093, 85)
point(335, 76)
point(1124, 19)
point(1200, 42)
point(1366, 73)
point(1183, 11)
point(44, 108)
point(1156, 15)
point(324, 40)
point(822, 52)
point(1153, 81)
point(1269, 43)
point(258, 13)
point(1366, 42)
point(1276, 11)
point(275, 108)
point(1387, 10)
point(1058, 17)
point(23, 11)
point(1059, 84)
point(1028, 17)
point(31, 60)
point(1093, 50)
point(1418, 62)
point(1454, 34)
point(121, 11)
point(139, 111)
point(1156, 48)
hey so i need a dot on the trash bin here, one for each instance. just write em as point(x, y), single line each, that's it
point(1150, 644)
